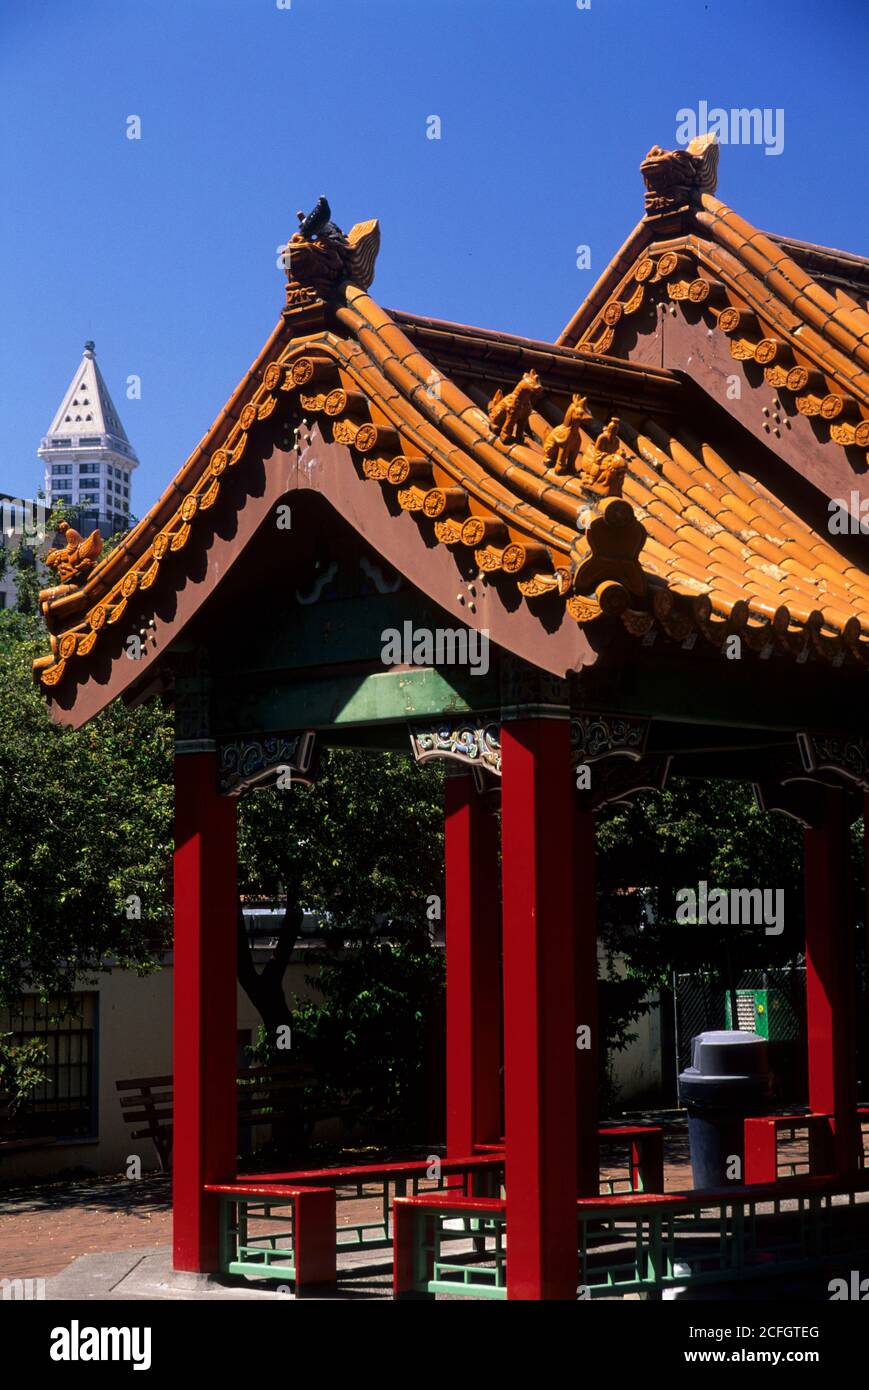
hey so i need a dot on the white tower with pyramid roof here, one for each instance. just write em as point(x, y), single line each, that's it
point(88, 458)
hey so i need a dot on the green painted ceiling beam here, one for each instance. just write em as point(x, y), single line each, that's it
point(348, 700)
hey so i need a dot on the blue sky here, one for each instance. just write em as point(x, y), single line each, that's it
point(164, 249)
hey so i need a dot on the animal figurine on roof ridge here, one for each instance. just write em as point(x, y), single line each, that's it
point(679, 178)
point(563, 442)
point(74, 561)
point(508, 415)
point(605, 465)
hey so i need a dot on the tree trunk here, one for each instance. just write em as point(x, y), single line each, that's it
point(265, 988)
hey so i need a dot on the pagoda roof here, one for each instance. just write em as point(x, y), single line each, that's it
point(794, 314)
point(700, 531)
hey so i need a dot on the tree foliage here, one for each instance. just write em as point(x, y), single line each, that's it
point(22, 1070)
point(85, 827)
point(695, 831)
point(364, 840)
point(85, 873)
point(362, 846)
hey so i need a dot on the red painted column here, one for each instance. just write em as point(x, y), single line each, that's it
point(830, 979)
point(537, 806)
point(587, 1073)
point(205, 1137)
point(473, 969)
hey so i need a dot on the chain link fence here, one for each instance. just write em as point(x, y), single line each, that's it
point(772, 1003)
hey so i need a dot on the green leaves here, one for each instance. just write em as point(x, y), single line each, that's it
point(693, 831)
point(366, 840)
point(364, 846)
point(374, 1031)
point(85, 821)
point(22, 1069)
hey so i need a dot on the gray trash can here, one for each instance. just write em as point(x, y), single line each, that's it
point(729, 1078)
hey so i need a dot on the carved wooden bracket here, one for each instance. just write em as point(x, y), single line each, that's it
point(248, 763)
point(847, 757)
point(594, 736)
point(801, 799)
point(617, 782)
point(474, 743)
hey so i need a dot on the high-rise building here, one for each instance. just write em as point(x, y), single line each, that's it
point(88, 458)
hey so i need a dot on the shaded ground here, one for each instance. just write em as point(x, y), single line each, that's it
point(43, 1229)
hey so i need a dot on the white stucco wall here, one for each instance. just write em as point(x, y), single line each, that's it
point(134, 1040)
point(637, 1070)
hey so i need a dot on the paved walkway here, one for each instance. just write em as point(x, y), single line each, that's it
point(44, 1229)
point(146, 1274)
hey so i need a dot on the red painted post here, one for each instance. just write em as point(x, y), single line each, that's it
point(314, 1230)
point(830, 979)
point(473, 969)
point(647, 1162)
point(403, 1252)
point(412, 1231)
point(204, 1104)
point(822, 1145)
point(539, 1008)
point(587, 1063)
point(761, 1149)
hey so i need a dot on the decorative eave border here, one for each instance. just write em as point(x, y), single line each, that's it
point(441, 463)
point(323, 375)
point(759, 330)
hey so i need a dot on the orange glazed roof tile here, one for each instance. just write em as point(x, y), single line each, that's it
point(799, 312)
point(609, 488)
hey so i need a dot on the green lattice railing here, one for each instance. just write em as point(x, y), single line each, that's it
point(649, 1249)
point(647, 1246)
point(251, 1246)
point(267, 1255)
point(481, 1272)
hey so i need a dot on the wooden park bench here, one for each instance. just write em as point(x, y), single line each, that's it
point(645, 1145)
point(308, 1201)
point(480, 1175)
point(426, 1224)
point(720, 1235)
point(264, 1097)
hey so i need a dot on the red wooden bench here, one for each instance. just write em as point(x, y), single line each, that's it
point(308, 1255)
point(469, 1176)
point(763, 1134)
point(634, 1242)
point(416, 1245)
point(646, 1154)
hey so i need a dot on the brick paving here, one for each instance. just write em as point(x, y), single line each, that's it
point(43, 1229)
